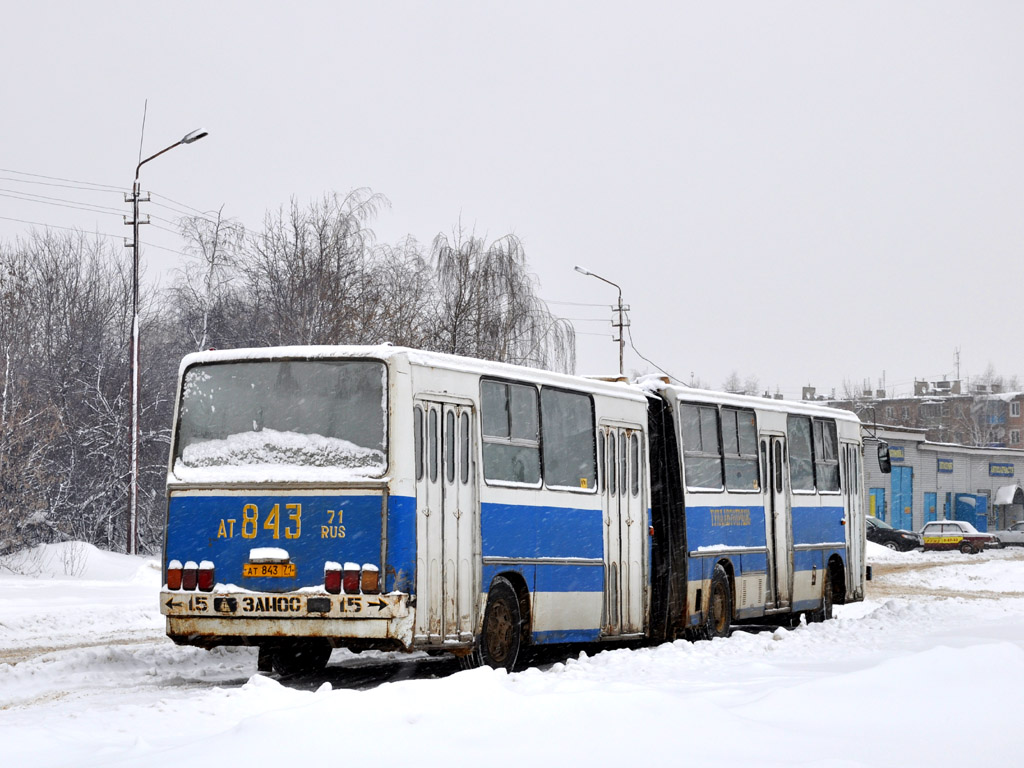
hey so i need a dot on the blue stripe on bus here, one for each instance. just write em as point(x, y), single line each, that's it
point(519, 530)
point(214, 528)
point(818, 525)
point(567, 636)
point(400, 573)
point(544, 577)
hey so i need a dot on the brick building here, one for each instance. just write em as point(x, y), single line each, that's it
point(985, 416)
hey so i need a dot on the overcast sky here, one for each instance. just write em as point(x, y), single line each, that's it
point(805, 192)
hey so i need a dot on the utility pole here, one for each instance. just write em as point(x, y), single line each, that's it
point(135, 198)
point(621, 309)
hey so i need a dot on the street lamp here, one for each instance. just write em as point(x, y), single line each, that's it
point(621, 309)
point(134, 198)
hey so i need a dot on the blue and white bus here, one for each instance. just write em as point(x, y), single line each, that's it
point(388, 498)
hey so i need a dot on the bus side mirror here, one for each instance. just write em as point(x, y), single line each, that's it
point(884, 462)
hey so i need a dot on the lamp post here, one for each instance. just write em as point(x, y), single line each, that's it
point(621, 309)
point(134, 198)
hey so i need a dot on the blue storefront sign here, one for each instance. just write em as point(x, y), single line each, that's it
point(1000, 469)
point(897, 453)
point(944, 466)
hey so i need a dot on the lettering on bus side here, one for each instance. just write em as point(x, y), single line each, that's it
point(728, 516)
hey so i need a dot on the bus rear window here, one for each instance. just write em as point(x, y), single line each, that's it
point(292, 413)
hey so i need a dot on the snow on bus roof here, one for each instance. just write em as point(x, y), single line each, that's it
point(691, 394)
point(386, 352)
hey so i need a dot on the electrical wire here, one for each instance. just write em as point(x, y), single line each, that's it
point(109, 187)
point(629, 331)
point(98, 234)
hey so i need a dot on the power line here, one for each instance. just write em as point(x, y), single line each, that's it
point(629, 331)
point(98, 234)
point(578, 304)
point(110, 187)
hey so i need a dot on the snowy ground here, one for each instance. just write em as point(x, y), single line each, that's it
point(928, 671)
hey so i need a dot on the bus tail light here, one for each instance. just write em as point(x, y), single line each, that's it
point(205, 577)
point(174, 574)
point(190, 575)
point(332, 577)
point(351, 578)
point(370, 582)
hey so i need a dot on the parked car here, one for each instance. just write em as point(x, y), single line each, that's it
point(882, 533)
point(1012, 536)
point(955, 534)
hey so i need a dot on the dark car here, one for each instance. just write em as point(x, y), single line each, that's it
point(882, 533)
point(956, 534)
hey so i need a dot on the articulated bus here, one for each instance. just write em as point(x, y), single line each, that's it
point(388, 498)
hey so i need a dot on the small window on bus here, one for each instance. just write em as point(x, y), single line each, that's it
point(801, 466)
point(622, 463)
point(449, 446)
point(826, 456)
point(464, 438)
point(702, 454)
point(567, 420)
point(432, 445)
point(612, 467)
point(634, 464)
point(739, 443)
point(602, 476)
point(511, 420)
point(417, 428)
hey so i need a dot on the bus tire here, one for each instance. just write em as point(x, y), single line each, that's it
point(502, 635)
point(825, 612)
point(718, 622)
point(307, 656)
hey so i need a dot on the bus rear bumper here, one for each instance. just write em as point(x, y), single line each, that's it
point(246, 618)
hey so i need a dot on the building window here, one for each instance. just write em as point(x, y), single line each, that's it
point(1015, 408)
point(905, 412)
point(1014, 436)
point(889, 412)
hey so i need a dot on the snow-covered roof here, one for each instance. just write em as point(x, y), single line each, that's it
point(1007, 493)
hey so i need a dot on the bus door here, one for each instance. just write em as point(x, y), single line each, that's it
point(854, 516)
point(622, 454)
point(778, 520)
point(446, 523)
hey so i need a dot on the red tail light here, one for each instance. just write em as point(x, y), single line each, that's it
point(371, 579)
point(174, 574)
point(205, 576)
point(332, 577)
point(190, 575)
point(351, 578)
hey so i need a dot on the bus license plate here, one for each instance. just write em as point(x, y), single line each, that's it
point(268, 570)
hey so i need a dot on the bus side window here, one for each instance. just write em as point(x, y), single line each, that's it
point(764, 464)
point(602, 470)
point(801, 464)
point(826, 455)
point(612, 467)
point(511, 432)
point(702, 450)
point(464, 421)
point(417, 428)
point(622, 463)
point(634, 464)
point(432, 445)
point(449, 446)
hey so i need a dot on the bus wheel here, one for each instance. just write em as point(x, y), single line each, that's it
point(825, 612)
point(301, 657)
point(719, 618)
point(502, 632)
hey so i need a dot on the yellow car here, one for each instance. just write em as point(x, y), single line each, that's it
point(955, 534)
